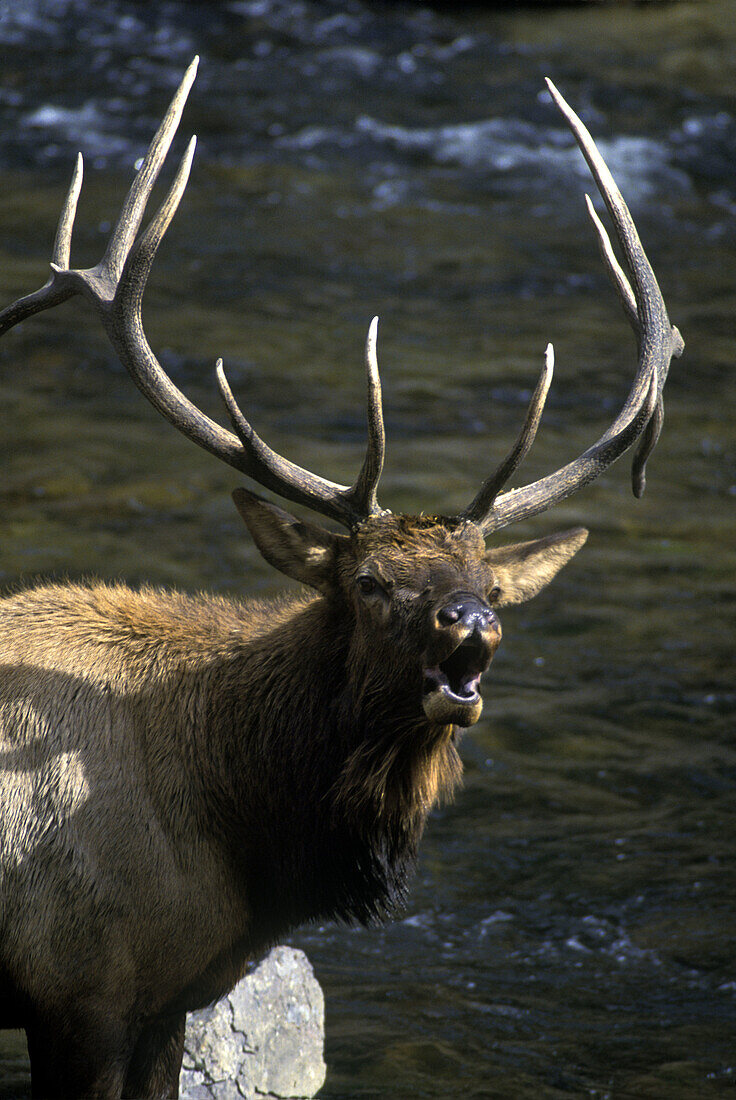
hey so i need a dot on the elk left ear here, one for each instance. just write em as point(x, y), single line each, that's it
point(298, 549)
point(526, 568)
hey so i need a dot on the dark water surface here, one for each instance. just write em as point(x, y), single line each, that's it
point(571, 927)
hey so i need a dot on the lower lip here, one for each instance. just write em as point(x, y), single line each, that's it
point(462, 700)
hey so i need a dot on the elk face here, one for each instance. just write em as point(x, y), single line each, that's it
point(422, 586)
point(423, 592)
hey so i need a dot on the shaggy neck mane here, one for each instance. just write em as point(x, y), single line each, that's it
point(401, 764)
point(351, 765)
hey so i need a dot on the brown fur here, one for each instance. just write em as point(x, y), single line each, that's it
point(183, 779)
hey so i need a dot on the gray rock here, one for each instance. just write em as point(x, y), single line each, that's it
point(264, 1040)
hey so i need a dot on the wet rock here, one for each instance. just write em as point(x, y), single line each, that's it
point(265, 1039)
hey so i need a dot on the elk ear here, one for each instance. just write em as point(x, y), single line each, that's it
point(301, 550)
point(526, 568)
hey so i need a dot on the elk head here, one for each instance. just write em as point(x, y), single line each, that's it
point(420, 591)
point(425, 589)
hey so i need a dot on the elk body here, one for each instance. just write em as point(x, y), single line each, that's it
point(184, 779)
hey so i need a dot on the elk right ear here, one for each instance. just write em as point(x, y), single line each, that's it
point(298, 549)
point(526, 568)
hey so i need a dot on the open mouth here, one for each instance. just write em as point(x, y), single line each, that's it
point(452, 687)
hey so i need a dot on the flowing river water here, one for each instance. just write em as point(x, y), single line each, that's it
point(570, 930)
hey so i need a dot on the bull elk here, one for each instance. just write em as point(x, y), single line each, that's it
point(185, 779)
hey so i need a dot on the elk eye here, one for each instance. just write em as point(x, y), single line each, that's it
point(367, 584)
point(494, 594)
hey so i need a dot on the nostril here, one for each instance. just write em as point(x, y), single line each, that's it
point(448, 616)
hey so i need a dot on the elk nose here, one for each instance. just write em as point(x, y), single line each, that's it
point(469, 613)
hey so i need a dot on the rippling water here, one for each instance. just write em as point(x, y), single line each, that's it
point(571, 927)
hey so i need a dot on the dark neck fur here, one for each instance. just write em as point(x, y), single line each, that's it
point(321, 783)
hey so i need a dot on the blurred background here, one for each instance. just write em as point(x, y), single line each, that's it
point(570, 931)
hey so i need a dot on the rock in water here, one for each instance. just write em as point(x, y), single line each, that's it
point(264, 1040)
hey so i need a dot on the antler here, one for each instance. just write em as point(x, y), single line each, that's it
point(115, 288)
point(641, 416)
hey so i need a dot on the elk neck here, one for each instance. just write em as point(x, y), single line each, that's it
point(319, 767)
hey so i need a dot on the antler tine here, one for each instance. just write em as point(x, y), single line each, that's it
point(347, 505)
point(134, 206)
point(63, 240)
point(53, 291)
point(124, 325)
point(274, 472)
point(493, 484)
point(614, 269)
point(641, 415)
point(652, 431)
point(364, 490)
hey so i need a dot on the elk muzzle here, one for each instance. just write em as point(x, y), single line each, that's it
point(466, 634)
